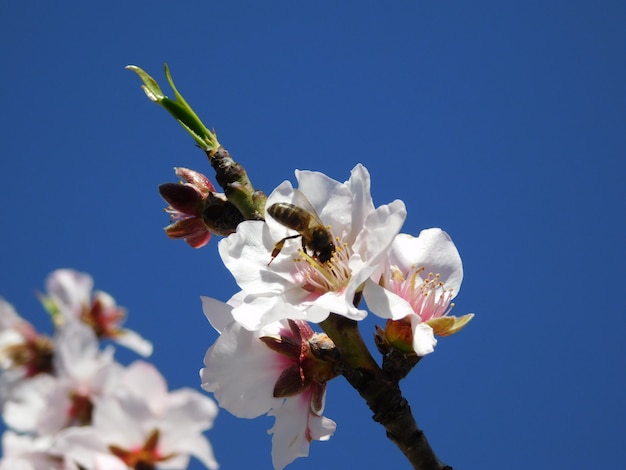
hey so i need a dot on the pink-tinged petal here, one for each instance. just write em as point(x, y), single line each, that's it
point(198, 239)
point(241, 371)
point(192, 230)
point(195, 179)
point(433, 250)
point(423, 337)
point(385, 303)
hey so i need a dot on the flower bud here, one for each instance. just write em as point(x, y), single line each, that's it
point(196, 210)
point(399, 334)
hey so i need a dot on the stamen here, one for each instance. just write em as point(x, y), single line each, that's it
point(332, 275)
point(428, 297)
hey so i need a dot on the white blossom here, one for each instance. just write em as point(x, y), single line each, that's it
point(246, 375)
point(421, 277)
point(71, 298)
point(297, 284)
point(144, 423)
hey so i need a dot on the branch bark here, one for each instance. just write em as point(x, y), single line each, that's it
point(381, 390)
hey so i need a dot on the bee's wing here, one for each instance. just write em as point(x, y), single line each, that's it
point(300, 200)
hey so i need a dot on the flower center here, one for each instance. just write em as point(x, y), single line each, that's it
point(81, 409)
point(142, 458)
point(34, 355)
point(105, 320)
point(428, 297)
point(330, 276)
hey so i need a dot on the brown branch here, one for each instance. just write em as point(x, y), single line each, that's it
point(381, 391)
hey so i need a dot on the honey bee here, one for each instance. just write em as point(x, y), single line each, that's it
point(303, 218)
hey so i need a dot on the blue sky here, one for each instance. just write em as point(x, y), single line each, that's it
point(501, 122)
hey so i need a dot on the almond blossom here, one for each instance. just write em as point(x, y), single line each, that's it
point(83, 373)
point(70, 298)
point(142, 425)
point(24, 352)
point(280, 369)
point(422, 276)
point(299, 284)
point(25, 452)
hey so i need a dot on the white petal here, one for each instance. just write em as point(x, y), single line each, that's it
point(218, 313)
point(331, 199)
point(8, 316)
point(321, 428)
point(24, 452)
point(108, 462)
point(385, 303)
point(379, 231)
point(82, 444)
point(433, 250)
point(339, 303)
point(70, 290)
point(294, 429)
point(319, 189)
point(242, 371)
point(29, 399)
point(134, 341)
point(190, 410)
point(423, 337)
point(257, 311)
point(143, 381)
point(115, 424)
point(247, 253)
point(78, 355)
point(56, 414)
point(362, 204)
point(198, 446)
point(15, 463)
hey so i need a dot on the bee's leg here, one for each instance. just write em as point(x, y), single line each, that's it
point(279, 246)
